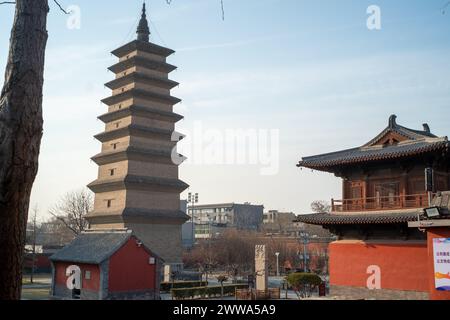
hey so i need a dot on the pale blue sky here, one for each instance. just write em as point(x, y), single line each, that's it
point(311, 69)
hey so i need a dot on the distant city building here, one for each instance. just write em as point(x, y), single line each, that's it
point(211, 220)
point(187, 230)
point(275, 216)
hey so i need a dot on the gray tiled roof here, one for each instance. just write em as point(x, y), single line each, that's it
point(419, 142)
point(373, 154)
point(353, 219)
point(92, 247)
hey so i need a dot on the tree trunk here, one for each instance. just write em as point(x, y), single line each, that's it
point(20, 136)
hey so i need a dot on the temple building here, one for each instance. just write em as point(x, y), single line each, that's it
point(138, 187)
point(380, 252)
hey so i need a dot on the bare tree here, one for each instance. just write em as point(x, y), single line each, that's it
point(320, 206)
point(72, 209)
point(55, 233)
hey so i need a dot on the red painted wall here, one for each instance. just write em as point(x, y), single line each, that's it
point(129, 269)
point(403, 266)
point(435, 233)
point(92, 285)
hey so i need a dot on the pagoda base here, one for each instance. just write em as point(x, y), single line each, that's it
point(163, 237)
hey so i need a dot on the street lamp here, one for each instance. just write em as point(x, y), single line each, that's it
point(278, 265)
point(305, 237)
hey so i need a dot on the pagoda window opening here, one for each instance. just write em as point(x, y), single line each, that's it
point(115, 145)
point(112, 172)
point(109, 203)
point(117, 124)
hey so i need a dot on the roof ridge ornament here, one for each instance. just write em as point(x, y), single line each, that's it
point(426, 128)
point(393, 121)
point(143, 31)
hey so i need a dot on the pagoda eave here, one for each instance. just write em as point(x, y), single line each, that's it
point(140, 111)
point(142, 46)
point(138, 93)
point(137, 154)
point(146, 79)
point(134, 130)
point(131, 182)
point(142, 62)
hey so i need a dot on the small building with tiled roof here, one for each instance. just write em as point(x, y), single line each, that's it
point(106, 265)
point(383, 189)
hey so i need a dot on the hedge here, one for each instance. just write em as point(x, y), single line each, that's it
point(206, 292)
point(304, 283)
point(167, 286)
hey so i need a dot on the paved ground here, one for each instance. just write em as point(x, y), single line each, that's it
point(40, 289)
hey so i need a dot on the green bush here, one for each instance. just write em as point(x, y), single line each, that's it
point(167, 286)
point(206, 292)
point(304, 284)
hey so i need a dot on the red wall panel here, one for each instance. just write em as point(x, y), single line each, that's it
point(92, 285)
point(129, 269)
point(403, 266)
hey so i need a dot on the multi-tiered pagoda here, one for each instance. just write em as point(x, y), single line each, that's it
point(138, 186)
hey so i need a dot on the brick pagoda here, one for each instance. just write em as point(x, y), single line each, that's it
point(138, 186)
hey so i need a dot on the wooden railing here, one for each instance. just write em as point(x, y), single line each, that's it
point(381, 203)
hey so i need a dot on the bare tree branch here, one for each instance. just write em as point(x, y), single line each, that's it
point(61, 8)
point(72, 209)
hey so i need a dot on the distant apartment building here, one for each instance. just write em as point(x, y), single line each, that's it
point(211, 220)
point(277, 217)
point(187, 229)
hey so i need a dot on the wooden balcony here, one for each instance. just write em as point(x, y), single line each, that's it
point(381, 203)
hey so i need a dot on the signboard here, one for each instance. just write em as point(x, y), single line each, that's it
point(441, 252)
point(429, 179)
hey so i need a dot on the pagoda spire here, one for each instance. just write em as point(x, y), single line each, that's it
point(143, 31)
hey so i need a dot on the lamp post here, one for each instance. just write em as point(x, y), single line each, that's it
point(278, 264)
point(305, 239)
point(192, 199)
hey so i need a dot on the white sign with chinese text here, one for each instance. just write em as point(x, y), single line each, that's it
point(441, 249)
